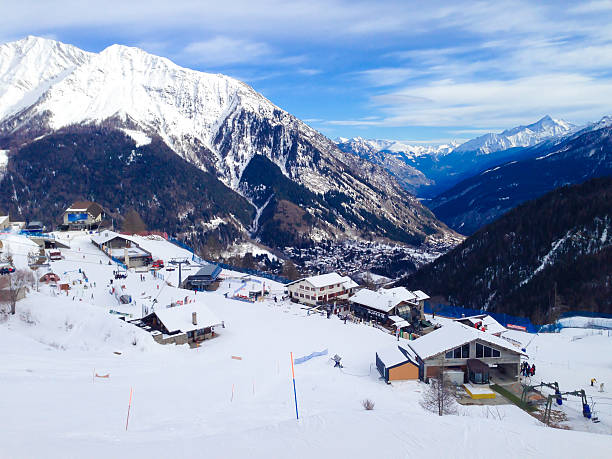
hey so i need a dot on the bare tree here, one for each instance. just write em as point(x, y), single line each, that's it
point(438, 397)
point(367, 404)
point(13, 287)
point(367, 281)
point(290, 271)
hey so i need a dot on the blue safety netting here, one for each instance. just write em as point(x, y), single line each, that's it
point(456, 312)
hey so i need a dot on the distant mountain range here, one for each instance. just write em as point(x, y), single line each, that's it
point(429, 170)
point(536, 170)
point(281, 181)
point(520, 136)
point(544, 256)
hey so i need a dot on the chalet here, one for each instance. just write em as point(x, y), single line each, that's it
point(397, 305)
point(83, 215)
point(187, 324)
point(458, 347)
point(203, 279)
point(396, 363)
point(325, 288)
point(49, 277)
point(483, 322)
point(122, 249)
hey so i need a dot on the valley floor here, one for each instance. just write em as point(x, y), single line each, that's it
point(202, 402)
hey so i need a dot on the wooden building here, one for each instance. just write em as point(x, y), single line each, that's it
point(50, 277)
point(325, 288)
point(396, 363)
point(122, 248)
point(386, 305)
point(186, 324)
point(83, 215)
point(452, 346)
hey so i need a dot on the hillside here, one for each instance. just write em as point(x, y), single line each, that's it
point(213, 122)
point(44, 177)
point(184, 400)
point(482, 198)
point(559, 243)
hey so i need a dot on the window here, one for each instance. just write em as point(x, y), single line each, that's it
point(462, 352)
point(486, 351)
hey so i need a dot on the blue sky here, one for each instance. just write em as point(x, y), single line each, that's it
point(416, 71)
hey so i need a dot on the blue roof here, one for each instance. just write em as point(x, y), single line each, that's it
point(209, 270)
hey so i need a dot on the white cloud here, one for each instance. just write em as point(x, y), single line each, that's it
point(592, 7)
point(496, 102)
point(387, 76)
point(309, 72)
point(219, 51)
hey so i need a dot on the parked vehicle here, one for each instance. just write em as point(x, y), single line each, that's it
point(159, 264)
point(6, 268)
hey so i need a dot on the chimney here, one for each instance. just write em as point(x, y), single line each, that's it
point(194, 319)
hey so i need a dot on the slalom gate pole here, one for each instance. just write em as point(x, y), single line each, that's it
point(297, 416)
point(128, 414)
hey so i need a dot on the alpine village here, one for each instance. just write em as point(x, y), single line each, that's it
point(186, 268)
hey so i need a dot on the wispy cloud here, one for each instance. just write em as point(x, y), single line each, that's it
point(220, 50)
point(496, 102)
point(459, 66)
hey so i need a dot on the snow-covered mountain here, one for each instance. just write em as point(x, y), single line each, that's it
point(401, 159)
point(409, 150)
point(428, 170)
point(484, 197)
point(215, 122)
point(520, 136)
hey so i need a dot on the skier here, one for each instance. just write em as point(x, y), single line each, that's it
point(533, 370)
point(593, 381)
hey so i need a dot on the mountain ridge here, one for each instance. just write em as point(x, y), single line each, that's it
point(214, 122)
point(558, 244)
point(480, 199)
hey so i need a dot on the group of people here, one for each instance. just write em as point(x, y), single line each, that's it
point(527, 370)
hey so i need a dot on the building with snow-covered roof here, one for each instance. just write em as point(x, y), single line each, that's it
point(396, 363)
point(203, 279)
point(451, 346)
point(483, 322)
point(383, 304)
point(121, 248)
point(324, 288)
point(186, 324)
point(83, 215)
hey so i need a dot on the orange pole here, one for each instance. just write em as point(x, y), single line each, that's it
point(128, 414)
point(292, 371)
